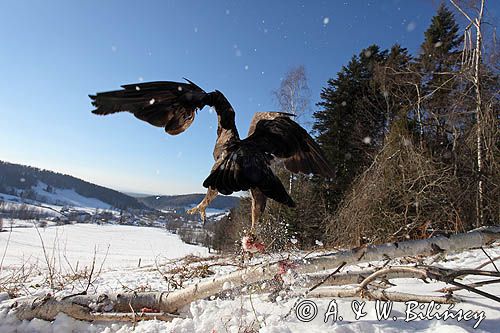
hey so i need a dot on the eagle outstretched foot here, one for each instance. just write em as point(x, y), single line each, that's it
point(198, 209)
point(249, 244)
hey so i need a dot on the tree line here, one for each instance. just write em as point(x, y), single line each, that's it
point(414, 140)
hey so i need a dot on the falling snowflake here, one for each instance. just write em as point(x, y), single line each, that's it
point(368, 53)
point(411, 26)
point(319, 243)
point(22, 180)
point(293, 240)
point(367, 140)
point(438, 44)
point(195, 29)
point(344, 103)
point(326, 20)
point(228, 12)
point(113, 48)
point(140, 79)
point(246, 67)
point(179, 88)
point(137, 88)
point(151, 101)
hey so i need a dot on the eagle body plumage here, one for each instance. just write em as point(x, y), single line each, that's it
point(240, 164)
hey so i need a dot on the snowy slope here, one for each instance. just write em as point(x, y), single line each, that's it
point(62, 197)
point(58, 197)
point(241, 313)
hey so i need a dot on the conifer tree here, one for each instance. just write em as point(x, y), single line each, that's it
point(439, 64)
point(351, 121)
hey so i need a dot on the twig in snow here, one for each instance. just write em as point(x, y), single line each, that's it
point(475, 284)
point(491, 260)
point(327, 277)
point(49, 267)
point(475, 290)
point(314, 287)
point(487, 262)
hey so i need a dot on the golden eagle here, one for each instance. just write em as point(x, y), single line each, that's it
point(240, 164)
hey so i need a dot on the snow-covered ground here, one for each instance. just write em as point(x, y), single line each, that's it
point(237, 314)
point(114, 245)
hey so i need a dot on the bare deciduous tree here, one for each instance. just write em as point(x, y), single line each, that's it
point(293, 95)
point(471, 61)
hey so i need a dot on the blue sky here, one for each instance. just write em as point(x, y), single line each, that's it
point(54, 53)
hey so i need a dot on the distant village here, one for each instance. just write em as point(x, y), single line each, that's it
point(175, 220)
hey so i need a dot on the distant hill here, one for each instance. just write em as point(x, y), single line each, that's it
point(188, 200)
point(56, 188)
point(137, 195)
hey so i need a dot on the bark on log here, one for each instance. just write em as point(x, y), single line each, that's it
point(171, 302)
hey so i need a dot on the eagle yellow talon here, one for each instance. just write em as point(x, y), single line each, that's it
point(200, 210)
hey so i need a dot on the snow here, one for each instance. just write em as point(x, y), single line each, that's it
point(411, 26)
point(114, 245)
point(68, 197)
point(56, 199)
point(240, 313)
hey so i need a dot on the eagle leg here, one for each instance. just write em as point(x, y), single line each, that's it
point(258, 205)
point(249, 242)
point(202, 206)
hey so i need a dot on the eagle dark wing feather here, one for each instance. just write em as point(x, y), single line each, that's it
point(244, 168)
point(284, 138)
point(171, 105)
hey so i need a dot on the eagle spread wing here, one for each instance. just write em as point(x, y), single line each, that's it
point(171, 105)
point(247, 162)
point(285, 139)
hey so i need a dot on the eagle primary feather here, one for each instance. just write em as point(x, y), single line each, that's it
point(171, 105)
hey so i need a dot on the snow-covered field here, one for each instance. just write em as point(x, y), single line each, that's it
point(114, 245)
point(230, 314)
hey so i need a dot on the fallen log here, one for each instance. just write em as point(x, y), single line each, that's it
point(166, 303)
